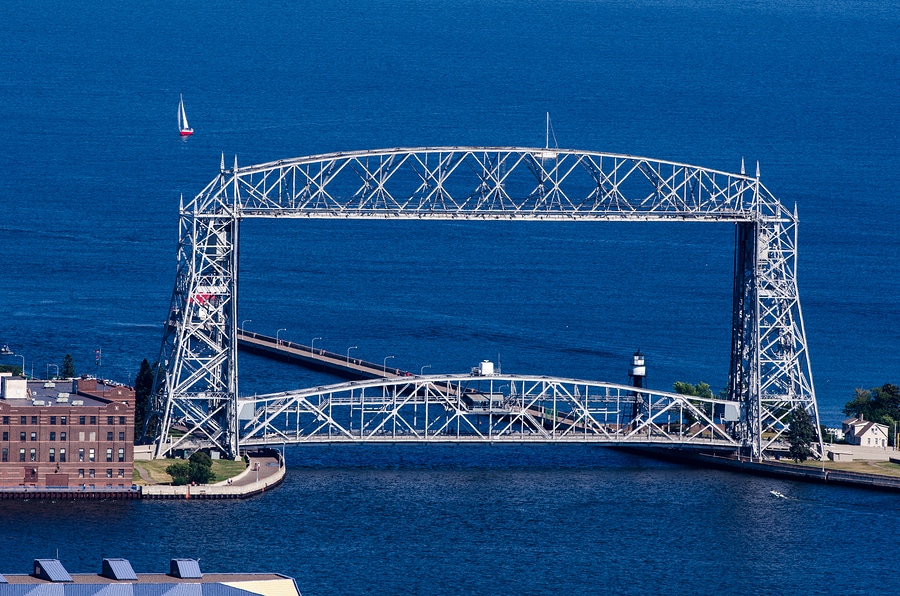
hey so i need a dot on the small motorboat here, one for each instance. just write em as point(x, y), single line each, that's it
point(775, 493)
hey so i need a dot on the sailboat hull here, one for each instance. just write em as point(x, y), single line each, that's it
point(187, 133)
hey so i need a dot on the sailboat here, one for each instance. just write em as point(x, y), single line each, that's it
point(183, 127)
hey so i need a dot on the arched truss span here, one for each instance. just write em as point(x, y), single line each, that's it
point(496, 408)
point(770, 371)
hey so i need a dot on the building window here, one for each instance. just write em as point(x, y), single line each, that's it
point(121, 419)
point(109, 472)
point(81, 420)
point(34, 436)
point(93, 420)
point(5, 454)
point(122, 435)
point(81, 454)
point(62, 420)
point(22, 436)
point(62, 436)
point(53, 435)
point(34, 420)
point(93, 436)
point(81, 436)
point(121, 454)
point(22, 454)
point(109, 454)
point(91, 472)
point(52, 454)
point(109, 435)
point(6, 420)
point(22, 420)
point(33, 455)
point(62, 455)
point(121, 473)
point(81, 472)
point(6, 435)
point(109, 419)
point(91, 456)
point(52, 419)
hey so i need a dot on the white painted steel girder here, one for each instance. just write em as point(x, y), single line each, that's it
point(496, 408)
point(198, 393)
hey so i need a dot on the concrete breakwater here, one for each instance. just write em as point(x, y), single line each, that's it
point(265, 471)
point(776, 469)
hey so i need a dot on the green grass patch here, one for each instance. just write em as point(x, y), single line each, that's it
point(155, 470)
point(883, 468)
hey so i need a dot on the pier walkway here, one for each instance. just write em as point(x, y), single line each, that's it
point(316, 359)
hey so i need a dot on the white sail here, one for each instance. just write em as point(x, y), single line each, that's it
point(182, 117)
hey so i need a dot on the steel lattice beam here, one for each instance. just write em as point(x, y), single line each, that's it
point(770, 371)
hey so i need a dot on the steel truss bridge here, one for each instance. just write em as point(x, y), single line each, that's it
point(197, 390)
point(495, 408)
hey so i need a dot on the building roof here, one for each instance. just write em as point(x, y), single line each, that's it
point(117, 578)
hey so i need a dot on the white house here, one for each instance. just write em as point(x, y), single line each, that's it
point(859, 431)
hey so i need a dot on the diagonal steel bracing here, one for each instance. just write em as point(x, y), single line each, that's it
point(198, 392)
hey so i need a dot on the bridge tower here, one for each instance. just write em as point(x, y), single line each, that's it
point(770, 373)
point(196, 390)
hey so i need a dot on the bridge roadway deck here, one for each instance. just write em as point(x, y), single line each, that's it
point(316, 359)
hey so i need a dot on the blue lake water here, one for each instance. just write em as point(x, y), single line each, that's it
point(92, 173)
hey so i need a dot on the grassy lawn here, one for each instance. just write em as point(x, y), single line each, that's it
point(884, 468)
point(156, 470)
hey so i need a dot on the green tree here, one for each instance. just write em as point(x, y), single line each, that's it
point(201, 468)
point(701, 389)
point(180, 472)
point(68, 367)
point(801, 435)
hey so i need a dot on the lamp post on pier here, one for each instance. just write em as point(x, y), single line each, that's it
point(348, 352)
point(49, 364)
point(242, 324)
point(278, 341)
point(312, 345)
point(384, 368)
point(422, 372)
point(23, 365)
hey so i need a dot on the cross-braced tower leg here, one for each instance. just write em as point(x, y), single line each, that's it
point(195, 399)
point(770, 370)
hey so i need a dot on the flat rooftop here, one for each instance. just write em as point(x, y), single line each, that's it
point(151, 578)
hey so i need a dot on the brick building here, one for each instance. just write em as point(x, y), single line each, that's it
point(74, 433)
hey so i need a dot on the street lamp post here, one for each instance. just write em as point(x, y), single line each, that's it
point(278, 341)
point(49, 364)
point(242, 324)
point(23, 364)
point(312, 345)
point(422, 372)
point(348, 352)
point(384, 368)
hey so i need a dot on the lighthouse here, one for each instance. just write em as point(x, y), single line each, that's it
point(638, 370)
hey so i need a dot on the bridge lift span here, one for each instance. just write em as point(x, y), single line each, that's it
point(770, 372)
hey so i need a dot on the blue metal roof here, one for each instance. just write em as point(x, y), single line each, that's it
point(118, 569)
point(51, 570)
point(47, 590)
point(185, 569)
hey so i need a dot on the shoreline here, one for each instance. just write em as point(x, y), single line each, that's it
point(773, 469)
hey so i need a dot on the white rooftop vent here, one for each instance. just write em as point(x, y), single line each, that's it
point(39, 402)
point(49, 385)
point(63, 394)
point(77, 402)
point(62, 400)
